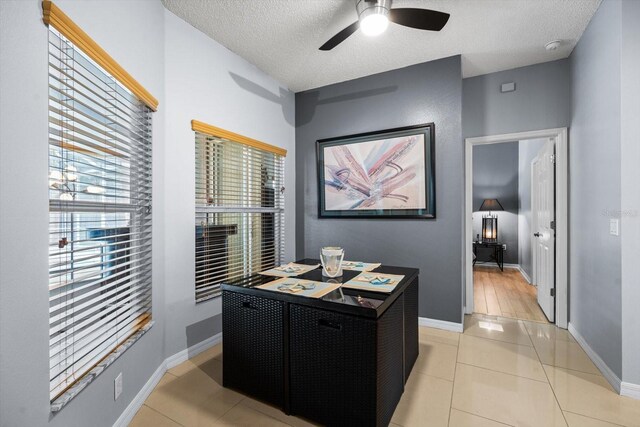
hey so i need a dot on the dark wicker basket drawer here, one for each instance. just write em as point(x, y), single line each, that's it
point(333, 366)
point(253, 350)
point(410, 327)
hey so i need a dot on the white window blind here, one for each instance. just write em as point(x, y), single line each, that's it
point(239, 212)
point(99, 216)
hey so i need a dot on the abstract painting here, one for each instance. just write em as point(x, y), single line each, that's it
point(386, 173)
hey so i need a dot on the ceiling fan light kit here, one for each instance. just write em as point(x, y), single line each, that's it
point(374, 17)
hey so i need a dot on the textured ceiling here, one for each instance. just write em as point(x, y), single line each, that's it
point(282, 37)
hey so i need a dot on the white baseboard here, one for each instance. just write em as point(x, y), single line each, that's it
point(494, 265)
point(524, 275)
point(440, 324)
point(125, 418)
point(194, 350)
point(170, 362)
point(630, 390)
point(597, 360)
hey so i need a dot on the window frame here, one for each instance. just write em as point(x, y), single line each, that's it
point(255, 203)
point(109, 268)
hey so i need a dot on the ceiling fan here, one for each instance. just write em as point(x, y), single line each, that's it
point(374, 17)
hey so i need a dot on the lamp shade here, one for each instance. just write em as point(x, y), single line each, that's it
point(491, 205)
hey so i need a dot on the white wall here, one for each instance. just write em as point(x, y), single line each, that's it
point(595, 159)
point(132, 33)
point(630, 203)
point(201, 80)
point(528, 151)
point(193, 82)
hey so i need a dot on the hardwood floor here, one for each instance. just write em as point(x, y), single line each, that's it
point(505, 293)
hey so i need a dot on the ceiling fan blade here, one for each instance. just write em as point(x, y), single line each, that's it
point(340, 37)
point(421, 19)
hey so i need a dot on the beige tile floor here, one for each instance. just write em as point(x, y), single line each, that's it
point(500, 372)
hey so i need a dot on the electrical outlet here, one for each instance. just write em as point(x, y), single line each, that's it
point(504, 247)
point(614, 226)
point(117, 386)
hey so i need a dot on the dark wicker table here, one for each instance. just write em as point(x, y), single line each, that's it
point(342, 359)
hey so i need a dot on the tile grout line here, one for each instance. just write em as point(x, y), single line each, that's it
point(597, 374)
point(505, 373)
point(154, 409)
point(592, 418)
point(483, 417)
point(507, 342)
point(164, 415)
point(502, 372)
point(547, 377)
point(555, 339)
point(454, 386)
point(432, 376)
point(503, 342)
point(455, 369)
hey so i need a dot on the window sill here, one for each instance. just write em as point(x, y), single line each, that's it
point(208, 298)
point(68, 395)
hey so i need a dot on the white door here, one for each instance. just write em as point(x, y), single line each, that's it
point(543, 227)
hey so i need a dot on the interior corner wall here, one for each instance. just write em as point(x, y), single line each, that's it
point(423, 93)
point(131, 32)
point(495, 176)
point(207, 82)
point(630, 203)
point(528, 151)
point(595, 196)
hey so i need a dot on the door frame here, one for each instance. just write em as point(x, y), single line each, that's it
point(562, 213)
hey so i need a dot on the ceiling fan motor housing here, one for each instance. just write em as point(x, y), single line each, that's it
point(372, 7)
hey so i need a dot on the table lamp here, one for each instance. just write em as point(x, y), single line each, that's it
point(490, 221)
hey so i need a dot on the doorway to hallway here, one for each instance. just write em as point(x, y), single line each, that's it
point(510, 293)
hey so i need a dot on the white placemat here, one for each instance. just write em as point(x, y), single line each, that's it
point(376, 282)
point(301, 287)
point(289, 270)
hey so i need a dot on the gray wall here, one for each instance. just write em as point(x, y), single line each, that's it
point(595, 269)
point(495, 176)
point(159, 51)
point(630, 226)
point(429, 92)
point(528, 151)
point(541, 100)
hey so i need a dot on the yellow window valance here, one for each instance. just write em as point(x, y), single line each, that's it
point(222, 133)
point(53, 16)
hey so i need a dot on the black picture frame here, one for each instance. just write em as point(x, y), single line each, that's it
point(429, 212)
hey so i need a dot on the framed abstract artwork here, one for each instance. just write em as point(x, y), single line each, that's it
point(383, 174)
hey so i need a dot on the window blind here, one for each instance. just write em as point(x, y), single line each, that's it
point(239, 212)
point(99, 215)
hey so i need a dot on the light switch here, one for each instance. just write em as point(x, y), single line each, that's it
point(614, 226)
